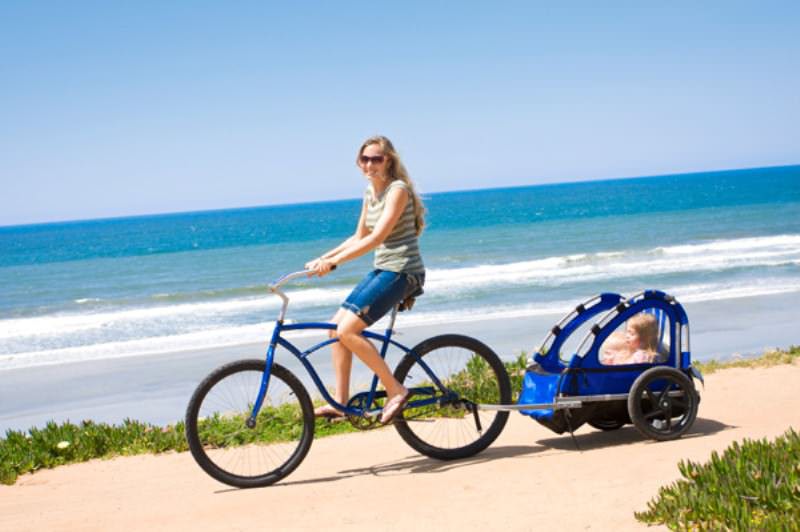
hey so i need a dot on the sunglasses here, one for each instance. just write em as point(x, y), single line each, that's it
point(378, 159)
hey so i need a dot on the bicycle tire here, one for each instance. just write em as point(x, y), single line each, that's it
point(472, 370)
point(224, 447)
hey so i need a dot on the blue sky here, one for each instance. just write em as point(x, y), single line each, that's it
point(121, 108)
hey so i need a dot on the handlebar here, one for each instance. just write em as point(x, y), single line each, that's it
point(275, 288)
point(286, 278)
point(289, 277)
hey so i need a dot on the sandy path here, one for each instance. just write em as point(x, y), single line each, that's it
point(529, 479)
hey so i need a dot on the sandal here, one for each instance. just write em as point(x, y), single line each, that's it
point(328, 412)
point(393, 407)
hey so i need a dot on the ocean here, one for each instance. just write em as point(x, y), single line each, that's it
point(136, 286)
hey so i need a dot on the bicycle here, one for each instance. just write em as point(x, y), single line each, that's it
point(250, 423)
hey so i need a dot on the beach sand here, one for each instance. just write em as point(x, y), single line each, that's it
point(529, 479)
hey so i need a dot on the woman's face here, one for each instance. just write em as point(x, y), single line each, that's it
point(632, 338)
point(372, 161)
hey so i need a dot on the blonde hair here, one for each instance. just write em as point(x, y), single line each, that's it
point(396, 170)
point(646, 328)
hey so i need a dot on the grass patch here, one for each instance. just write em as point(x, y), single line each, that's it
point(516, 374)
point(775, 357)
point(68, 443)
point(754, 485)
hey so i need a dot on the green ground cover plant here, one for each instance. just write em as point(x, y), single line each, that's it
point(774, 357)
point(66, 443)
point(753, 485)
point(58, 444)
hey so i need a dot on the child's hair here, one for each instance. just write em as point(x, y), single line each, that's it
point(646, 327)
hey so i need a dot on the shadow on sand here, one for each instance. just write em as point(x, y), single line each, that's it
point(417, 464)
point(598, 439)
point(588, 441)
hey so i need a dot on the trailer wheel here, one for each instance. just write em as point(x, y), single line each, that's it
point(663, 403)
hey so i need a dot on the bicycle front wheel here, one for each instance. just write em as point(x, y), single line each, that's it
point(242, 454)
point(450, 426)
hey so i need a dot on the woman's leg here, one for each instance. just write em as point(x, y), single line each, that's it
point(342, 363)
point(342, 359)
point(349, 331)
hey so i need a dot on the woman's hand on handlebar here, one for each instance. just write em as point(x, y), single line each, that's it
point(320, 267)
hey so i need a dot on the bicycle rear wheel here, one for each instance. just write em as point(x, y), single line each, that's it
point(451, 427)
point(227, 448)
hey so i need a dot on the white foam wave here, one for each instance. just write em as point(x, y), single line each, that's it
point(87, 300)
point(259, 333)
point(247, 334)
point(554, 271)
point(790, 243)
point(550, 271)
point(94, 329)
point(71, 323)
point(717, 292)
point(142, 347)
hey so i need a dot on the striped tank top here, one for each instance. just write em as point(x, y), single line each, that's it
point(400, 251)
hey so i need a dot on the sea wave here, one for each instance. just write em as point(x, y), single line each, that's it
point(783, 250)
point(769, 265)
point(85, 300)
point(573, 269)
point(772, 244)
point(229, 336)
point(73, 322)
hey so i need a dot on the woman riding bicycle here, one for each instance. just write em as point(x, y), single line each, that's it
point(392, 218)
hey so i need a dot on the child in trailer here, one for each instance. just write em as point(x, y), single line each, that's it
point(637, 345)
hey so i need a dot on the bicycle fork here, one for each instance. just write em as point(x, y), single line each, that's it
point(262, 391)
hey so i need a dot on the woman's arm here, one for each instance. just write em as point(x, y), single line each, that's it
point(364, 241)
point(395, 204)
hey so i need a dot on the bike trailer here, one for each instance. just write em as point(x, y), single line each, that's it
point(564, 389)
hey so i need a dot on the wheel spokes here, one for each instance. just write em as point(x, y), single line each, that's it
point(664, 403)
point(453, 424)
point(651, 415)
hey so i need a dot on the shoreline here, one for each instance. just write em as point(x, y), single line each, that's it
point(529, 474)
point(156, 388)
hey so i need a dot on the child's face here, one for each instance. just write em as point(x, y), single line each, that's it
point(632, 338)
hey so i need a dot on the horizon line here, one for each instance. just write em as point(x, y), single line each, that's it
point(434, 193)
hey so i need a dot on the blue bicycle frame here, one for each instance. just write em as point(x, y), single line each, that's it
point(303, 356)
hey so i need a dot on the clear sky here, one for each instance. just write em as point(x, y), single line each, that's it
point(119, 108)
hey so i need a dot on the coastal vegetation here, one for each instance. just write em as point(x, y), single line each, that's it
point(753, 485)
point(67, 443)
point(58, 444)
point(773, 357)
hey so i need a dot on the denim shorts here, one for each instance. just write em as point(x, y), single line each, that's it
point(380, 291)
